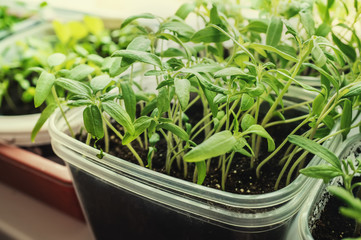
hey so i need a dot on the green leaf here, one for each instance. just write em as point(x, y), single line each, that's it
point(45, 114)
point(348, 50)
point(258, 26)
point(182, 90)
point(307, 19)
point(129, 98)
point(132, 18)
point(163, 100)
point(43, 87)
point(346, 118)
point(115, 66)
point(206, 68)
point(96, 59)
point(140, 125)
point(303, 85)
point(259, 130)
point(201, 172)
point(62, 31)
point(176, 130)
point(273, 49)
point(353, 91)
point(181, 28)
point(209, 35)
point(246, 102)
point(80, 72)
point(119, 114)
point(324, 73)
point(229, 71)
point(73, 86)
point(318, 55)
point(184, 10)
point(100, 82)
point(205, 83)
point(346, 197)
point(325, 172)
point(318, 104)
point(218, 144)
point(93, 121)
point(247, 121)
point(140, 56)
point(323, 30)
point(274, 31)
point(316, 149)
point(94, 24)
point(56, 59)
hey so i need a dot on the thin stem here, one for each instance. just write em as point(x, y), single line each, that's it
point(55, 95)
point(291, 120)
point(258, 170)
point(129, 146)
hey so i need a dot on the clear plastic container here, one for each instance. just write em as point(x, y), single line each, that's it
point(124, 200)
point(17, 129)
point(312, 207)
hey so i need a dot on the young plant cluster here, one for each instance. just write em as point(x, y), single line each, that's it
point(236, 72)
point(81, 41)
point(346, 169)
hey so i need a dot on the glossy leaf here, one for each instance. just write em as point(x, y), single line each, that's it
point(176, 130)
point(56, 59)
point(139, 56)
point(273, 49)
point(181, 28)
point(218, 144)
point(132, 18)
point(182, 90)
point(318, 55)
point(247, 121)
point(93, 121)
point(129, 98)
point(43, 87)
point(184, 10)
point(274, 31)
point(230, 71)
point(45, 114)
point(140, 125)
point(80, 72)
point(98, 83)
point(353, 91)
point(325, 172)
point(119, 114)
point(307, 19)
point(94, 24)
point(246, 102)
point(209, 35)
point(348, 50)
point(260, 131)
point(163, 100)
point(75, 87)
point(346, 117)
point(316, 149)
point(204, 82)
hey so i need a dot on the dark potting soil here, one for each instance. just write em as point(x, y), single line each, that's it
point(241, 179)
point(332, 225)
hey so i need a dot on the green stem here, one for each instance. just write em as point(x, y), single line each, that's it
point(291, 120)
point(258, 169)
point(55, 95)
point(225, 174)
point(129, 146)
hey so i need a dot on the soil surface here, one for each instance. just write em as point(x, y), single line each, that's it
point(332, 225)
point(241, 179)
